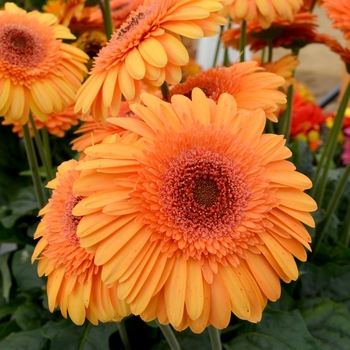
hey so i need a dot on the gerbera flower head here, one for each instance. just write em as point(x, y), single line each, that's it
point(339, 12)
point(251, 87)
point(282, 33)
point(264, 11)
point(284, 67)
point(95, 132)
point(335, 46)
point(37, 71)
point(203, 212)
point(146, 47)
point(57, 124)
point(74, 280)
point(307, 120)
point(91, 43)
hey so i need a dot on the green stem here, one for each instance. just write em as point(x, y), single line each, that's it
point(40, 148)
point(217, 49)
point(269, 127)
point(242, 40)
point(270, 52)
point(215, 340)
point(107, 18)
point(165, 90)
point(262, 58)
point(286, 119)
point(33, 165)
point(330, 210)
point(318, 190)
point(123, 335)
point(85, 335)
point(169, 336)
point(47, 148)
point(227, 62)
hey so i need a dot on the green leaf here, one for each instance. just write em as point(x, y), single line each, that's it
point(277, 330)
point(68, 336)
point(328, 322)
point(7, 328)
point(24, 272)
point(302, 157)
point(30, 316)
point(329, 280)
point(24, 341)
point(6, 278)
point(9, 308)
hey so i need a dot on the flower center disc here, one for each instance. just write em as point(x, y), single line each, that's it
point(69, 221)
point(21, 46)
point(203, 193)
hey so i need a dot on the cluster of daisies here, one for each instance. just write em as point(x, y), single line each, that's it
point(180, 208)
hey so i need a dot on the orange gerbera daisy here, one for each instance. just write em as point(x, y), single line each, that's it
point(37, 71)
point(284, 67)
point(339, 12)
point(146, 47)
point(57, 123)
point(94, 132)
point(74, 281)
point(251, 87)
point(199, 217)
point(264, 11)
point(295, 34)
point(336, 47)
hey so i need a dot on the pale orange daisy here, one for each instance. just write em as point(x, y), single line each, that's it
point(284, 67)
point(37, 71)
point(146, 47)
point(57, 124)
point(74, 280)
point(95, 132)
point(265, 11)
point(251, 87)
point(198, 218)
point(339, 12)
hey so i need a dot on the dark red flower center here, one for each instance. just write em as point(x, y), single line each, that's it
point(70, 221)
point(203, 193)
point(20, 45)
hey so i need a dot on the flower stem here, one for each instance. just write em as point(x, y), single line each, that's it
point(286, 119)
point(217, 49)
point(270, 51)
point(165, 90)
point(318, 190)
point(169, 336)
point(331, 209)
point(123, 335)
point(107, 18)
point(215, 340)
point(46, 144)
point(242, 40)
point(33, 165)
point(39, 144)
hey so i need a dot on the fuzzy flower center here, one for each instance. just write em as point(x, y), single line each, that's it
point(132, 23)
point(69, 221)
point(21, 46)
point(203, 193)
